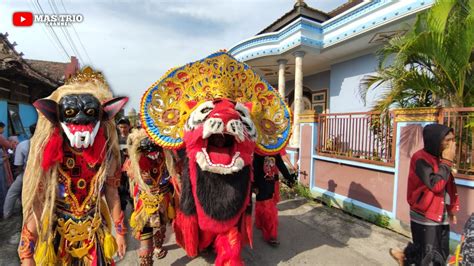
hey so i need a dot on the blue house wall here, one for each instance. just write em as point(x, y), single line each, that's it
point(344, 84)
point(28, 115)
point(4, 116)
point(315, 82)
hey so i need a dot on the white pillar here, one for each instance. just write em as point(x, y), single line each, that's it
point(298, 102)
point(281, 77)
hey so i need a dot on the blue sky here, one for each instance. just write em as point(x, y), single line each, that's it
point(134, 42)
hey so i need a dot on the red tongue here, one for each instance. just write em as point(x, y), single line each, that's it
point(219, 155)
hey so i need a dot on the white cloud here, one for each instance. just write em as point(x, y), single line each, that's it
point(135, 42)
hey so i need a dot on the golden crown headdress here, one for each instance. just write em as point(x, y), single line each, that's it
point(163, 110)
point(87, 74)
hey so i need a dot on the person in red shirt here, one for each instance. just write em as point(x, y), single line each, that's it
point(432, 197)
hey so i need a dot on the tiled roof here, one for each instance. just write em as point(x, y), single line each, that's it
point(301, 9)
point(54, 70)
point(11, 60)
point(344, 7)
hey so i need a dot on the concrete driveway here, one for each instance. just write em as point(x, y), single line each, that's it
point(310, 234)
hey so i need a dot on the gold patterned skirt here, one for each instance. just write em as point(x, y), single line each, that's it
point(152, 210)
point(80, 241)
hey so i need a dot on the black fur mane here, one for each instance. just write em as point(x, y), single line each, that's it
point(221, 196)
point(186, 201)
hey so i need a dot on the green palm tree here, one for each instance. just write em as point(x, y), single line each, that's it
point(431, 65)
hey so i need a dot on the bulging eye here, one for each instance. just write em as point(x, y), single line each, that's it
point(70, 112)
point(241, 113)
point(206, 110)
point(90, 112)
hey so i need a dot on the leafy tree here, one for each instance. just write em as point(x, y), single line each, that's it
point(431, 65)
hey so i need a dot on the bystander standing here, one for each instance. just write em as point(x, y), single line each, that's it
point(14, 192)
point(5, 172)
point(123, 126)
point(432, 197)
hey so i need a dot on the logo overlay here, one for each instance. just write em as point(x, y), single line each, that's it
point(26, 19)
point(59, 19)
point(22, 19)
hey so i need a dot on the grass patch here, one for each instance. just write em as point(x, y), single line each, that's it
point(302, 191)
point(381, 220)
point(296, 191)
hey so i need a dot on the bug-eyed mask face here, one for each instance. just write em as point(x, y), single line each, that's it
point(222, 136)
point(79, 109)
point(149, 148)
point(80, 116)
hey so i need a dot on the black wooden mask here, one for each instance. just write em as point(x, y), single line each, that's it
point(149, 148)
point(79, 109)
point(79, 115)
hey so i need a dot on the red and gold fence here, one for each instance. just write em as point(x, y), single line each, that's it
point(462, 121)
point(366, 137)
point(369, 137)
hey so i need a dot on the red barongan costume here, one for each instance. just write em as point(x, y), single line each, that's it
point(220, 112)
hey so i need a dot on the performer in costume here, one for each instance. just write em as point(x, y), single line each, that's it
point(152, 193)
point(220, 111)
point(266, 169)
point(71, 178)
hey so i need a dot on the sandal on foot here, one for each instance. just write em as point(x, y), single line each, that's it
point(160, 253)
point(397, 255)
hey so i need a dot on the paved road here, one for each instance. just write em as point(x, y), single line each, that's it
point(310, 234)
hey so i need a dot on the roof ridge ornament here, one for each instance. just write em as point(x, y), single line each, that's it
point(300, 3)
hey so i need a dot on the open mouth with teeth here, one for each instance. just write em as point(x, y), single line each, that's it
point(220, 155)
point(81, 136)
point(153, 155)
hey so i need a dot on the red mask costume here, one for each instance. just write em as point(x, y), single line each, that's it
point(219, 151)
point(218, 110)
